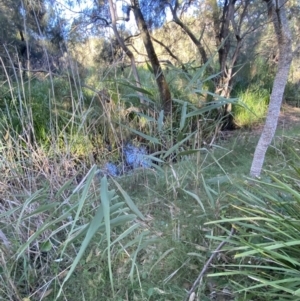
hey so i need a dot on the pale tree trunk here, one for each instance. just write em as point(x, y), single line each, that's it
point(283, 34)
point(125, 48)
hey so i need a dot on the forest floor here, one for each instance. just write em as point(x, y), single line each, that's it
point(289, 119)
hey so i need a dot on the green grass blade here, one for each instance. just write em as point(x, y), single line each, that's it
point(106, 197)
point(92, 229)
point(160, 121)
point(147, 137)
point(196, 197)
point(129, 201)
point(183, 116)
point(176, 146)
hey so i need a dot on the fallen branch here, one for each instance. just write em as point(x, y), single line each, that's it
point(220, 246)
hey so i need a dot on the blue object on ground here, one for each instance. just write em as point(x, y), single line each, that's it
point(111, 169)
point(133, 157)
point(136, 157)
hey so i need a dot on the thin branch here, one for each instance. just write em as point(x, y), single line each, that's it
point(170, 52)
point(208, 262)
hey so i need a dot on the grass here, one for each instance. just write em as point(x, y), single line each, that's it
point(255, 107)
point(67, 234)
point(159, 260)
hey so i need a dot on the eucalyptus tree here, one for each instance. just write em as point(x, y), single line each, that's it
point(114, 19)
point(178, 8)
point(107, 14)
point(141, 21)
point(277, 13)
point(224, 28)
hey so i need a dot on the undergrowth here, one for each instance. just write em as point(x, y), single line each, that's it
point(69, 233)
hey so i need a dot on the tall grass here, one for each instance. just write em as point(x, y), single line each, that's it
point(68, 234)
point(58, 220)
point(255, 101)
point(263, 255)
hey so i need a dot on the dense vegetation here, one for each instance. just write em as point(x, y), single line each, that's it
point(109, 193)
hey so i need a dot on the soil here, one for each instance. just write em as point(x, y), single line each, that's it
point(289, 116)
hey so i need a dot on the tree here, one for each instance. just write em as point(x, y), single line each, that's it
point(277, 13)
point(232, 17)
point(161, 81)
point(224, 28)
point(197, 41)
point(128, 52)
point(27, 28)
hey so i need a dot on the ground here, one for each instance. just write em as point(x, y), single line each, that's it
point(289, 115)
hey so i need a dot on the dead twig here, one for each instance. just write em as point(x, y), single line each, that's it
point(208, 262)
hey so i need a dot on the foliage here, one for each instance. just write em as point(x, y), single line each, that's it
point(265, 249)
point(68, 233)
point(255, 102)
point(64, 219)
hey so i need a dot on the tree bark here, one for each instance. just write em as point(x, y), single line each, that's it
point(277, 13)
point(170, 53)
point(162, 84)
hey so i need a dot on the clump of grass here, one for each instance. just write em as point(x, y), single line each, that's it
point(255, 102)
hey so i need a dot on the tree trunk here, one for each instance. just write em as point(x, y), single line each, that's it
point(225, 27)
point(125, 48)
point(282, 30)
point(162, 84)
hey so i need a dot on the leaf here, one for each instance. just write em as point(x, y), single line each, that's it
point(46, 246)
point(126, 233)
point(194, 196)
point(191, 151)
point(47, 225)
point(86, 183)
point(36, 196)
point(165, 254)
point(138, 89)
point(41, 209)
point(105, 201)
point(149, 67)
point(92, 229)
point(160, 121)
point(210, 106)
point(148, 118)
point(129, 201)
point(149, 138)
point(176, 146)
point(130, 96)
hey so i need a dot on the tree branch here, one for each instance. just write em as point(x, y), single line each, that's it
point(170, 52)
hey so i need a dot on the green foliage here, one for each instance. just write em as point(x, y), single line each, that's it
point(265, 250)
point(292, 94)
point(72, 213)
point(66, 234)
point(255, 102)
